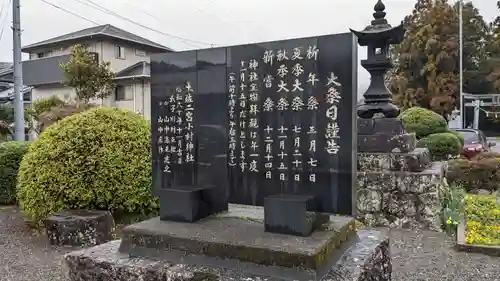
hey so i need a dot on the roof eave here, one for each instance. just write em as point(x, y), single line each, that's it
point(35, 46)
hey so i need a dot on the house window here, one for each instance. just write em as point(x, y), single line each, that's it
point(120, 52)
point(44, 54)
point(140, 53)
point(121, 93)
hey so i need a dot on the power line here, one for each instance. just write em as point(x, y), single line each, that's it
point(69, 12)
point(141, 10)
point(110, 12)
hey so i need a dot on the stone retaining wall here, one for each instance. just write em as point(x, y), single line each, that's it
point(403, 199)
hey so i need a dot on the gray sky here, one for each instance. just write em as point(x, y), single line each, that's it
point(218, 22)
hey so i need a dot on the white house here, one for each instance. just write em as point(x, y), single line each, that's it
point(128, 54)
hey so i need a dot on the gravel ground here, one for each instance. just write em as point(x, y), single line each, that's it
point(24, 254)
point(417, 256)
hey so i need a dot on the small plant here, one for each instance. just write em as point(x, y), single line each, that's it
point(452, 205)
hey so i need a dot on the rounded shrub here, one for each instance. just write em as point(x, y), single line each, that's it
point(441, 145)
point(11, 154)
point(96, 159)
point(423, 122)
point(459, 136)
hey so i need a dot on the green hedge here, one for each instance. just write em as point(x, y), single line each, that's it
point(423, 122)
point(97, 159)
point(11, 154)
point(441, 146)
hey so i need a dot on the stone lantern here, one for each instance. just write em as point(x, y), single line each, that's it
point(378, 37)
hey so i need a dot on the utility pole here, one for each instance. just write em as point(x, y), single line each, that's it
point(18, 72)
point(461, 87)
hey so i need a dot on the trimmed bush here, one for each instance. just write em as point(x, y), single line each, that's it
point(11, 154)
point(481, 172)
point(423, 122)
point(441, 145)
point(97, 159)
point(459, 136)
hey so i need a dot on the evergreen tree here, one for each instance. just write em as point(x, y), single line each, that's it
point(90, 78)
point(493, 63)
point(476, 34)
point(425, 69)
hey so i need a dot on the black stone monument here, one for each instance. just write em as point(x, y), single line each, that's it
point(269, 124)
point(254, 161)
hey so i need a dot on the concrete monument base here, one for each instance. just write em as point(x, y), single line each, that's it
point(234, 246)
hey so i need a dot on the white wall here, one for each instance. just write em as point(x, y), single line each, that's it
point(92, 46)
point(108, 53)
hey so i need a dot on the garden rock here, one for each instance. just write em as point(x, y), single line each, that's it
point(80, 228)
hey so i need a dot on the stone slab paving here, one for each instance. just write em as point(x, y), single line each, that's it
point(417, 256)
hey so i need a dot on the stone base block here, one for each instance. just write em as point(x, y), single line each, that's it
point(367, 259)
point(238, 234)
point(401, 199)
point(373, 126)
point(292, 214)
point(189, 204)
point(415, 161)
point(80, 228)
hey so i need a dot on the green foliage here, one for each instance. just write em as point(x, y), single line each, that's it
point(482, 214)
point(38, 108)
point(475, 56)
point(11, 154)
point(7, 113)
point(425, 72)
point(423, 122)
point(97, 159)
point(59, 112)
point(90, 78)
point(459, 136)
point(481, 172)
point(441, 146)
point(452, 204)
point(6, 119)
point(493, 49)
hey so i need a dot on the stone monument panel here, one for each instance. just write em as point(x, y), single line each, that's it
point(280, 114)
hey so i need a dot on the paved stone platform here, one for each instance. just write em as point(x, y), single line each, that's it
point(367, 259)
point(238, 234)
